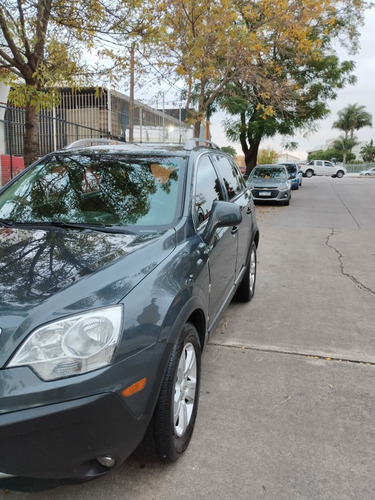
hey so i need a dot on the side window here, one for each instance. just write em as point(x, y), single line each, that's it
point(319, 163)
point(207, 189)
point(328, 164)
point(233, 180)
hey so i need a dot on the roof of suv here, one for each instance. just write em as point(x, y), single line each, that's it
point(109, 145)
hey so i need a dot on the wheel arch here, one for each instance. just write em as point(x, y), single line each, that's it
point(197, 318)
point(186, 308)
point(256, 239)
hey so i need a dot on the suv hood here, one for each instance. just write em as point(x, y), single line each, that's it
point(266, 182)
point(46, 274)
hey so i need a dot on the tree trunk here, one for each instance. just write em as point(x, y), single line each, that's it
point(251, 157)
point(31, 135)
point(197, 129)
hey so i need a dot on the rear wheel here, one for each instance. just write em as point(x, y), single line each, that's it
point(176, 410)
point(246, 289)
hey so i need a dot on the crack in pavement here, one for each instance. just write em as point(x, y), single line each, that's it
point(360, 285)
point(345, 206)
point(293, 353)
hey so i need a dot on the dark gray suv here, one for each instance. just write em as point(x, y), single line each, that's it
point(116, 262)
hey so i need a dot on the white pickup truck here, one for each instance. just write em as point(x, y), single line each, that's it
point(322, 167)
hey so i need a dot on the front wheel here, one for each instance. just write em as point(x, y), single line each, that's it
point(176, 410)
point(309, 173)
point(340, 174)
point(246, 288)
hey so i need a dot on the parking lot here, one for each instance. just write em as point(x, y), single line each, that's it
point(287, 396)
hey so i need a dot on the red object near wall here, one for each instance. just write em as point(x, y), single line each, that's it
point(10, 164)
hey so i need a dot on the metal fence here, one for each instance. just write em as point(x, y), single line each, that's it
point(93, 113)
point(357, 167)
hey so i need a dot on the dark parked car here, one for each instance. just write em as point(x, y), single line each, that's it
point(270, 183)
point(295, 174)
point(116, 262)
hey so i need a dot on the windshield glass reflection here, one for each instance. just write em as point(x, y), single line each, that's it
point(97, 189)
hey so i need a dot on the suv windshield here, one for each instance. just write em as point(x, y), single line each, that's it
point(268, 173)
point(91, 188)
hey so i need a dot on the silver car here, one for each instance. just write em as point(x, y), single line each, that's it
point(369, 171)
point(270, 183)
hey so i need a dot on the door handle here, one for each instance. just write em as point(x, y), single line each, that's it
point(248, 211)
point(234, 229)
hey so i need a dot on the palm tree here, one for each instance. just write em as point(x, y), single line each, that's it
point(368, 152)
point(345, 145)
point(352, 118)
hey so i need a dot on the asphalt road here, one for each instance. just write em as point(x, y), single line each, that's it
point(287, 398)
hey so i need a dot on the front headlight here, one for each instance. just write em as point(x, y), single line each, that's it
point(73, 345)
point(283, 187)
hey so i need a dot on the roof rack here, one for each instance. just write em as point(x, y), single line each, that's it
point(195, 142)
point(89, 141)
point(94, 141)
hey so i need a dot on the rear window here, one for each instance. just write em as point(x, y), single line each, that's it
point(92, 188)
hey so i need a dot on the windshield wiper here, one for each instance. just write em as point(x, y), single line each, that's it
point(6, 222)
point(79, 226)
point(84, 226)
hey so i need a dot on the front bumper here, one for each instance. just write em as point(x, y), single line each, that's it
point(271, 194)
point(64, 440)
point(59, 429)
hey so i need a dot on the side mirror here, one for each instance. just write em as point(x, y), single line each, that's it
point(223, 214)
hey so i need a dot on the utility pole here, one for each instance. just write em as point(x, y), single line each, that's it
point(163, 123)
point(131, 102)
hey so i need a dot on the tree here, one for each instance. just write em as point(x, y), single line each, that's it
point(298, 68)
point(345, 145)
point(351, 118)
point(267, 156)
point(368, 152)
point(206, 46)
point(229, 150)
point(44, 44)
point(329, 154)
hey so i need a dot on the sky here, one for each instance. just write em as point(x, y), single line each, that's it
point(362, 93)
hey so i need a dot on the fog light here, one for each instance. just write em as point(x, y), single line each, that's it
point(106, 461)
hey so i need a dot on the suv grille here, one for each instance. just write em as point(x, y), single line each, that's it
point(274, 193)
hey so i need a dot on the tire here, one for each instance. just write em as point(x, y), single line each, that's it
point(177, 406)
point(246, 289)
point(339, 174)
point(309, 173)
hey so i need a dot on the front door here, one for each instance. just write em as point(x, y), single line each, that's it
point(222, 251)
